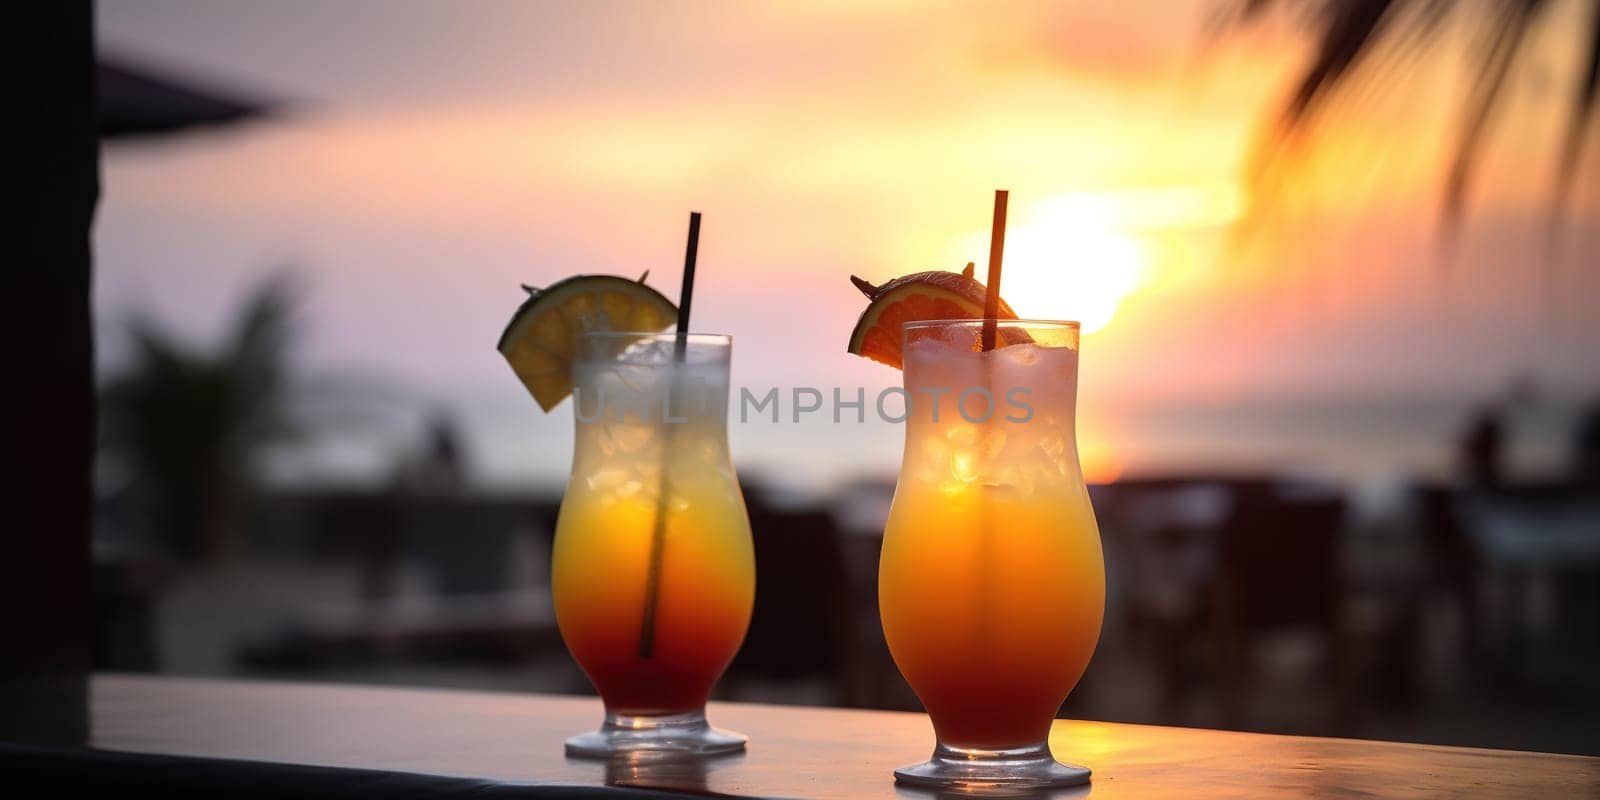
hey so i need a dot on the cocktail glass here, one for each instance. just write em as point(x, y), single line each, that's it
point(653, 569)
point(991, 583)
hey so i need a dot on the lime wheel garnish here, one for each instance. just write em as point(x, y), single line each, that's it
point(541, 338)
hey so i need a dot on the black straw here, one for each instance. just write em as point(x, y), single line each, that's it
point(658, 534)
point(686, 293)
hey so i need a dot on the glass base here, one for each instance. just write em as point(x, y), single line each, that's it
point(1029, 767)
point(674, 734)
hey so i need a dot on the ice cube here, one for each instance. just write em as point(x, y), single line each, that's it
point(960, 337)
point(631, 438)
point(964, 464)
point(1053, 442)
point(607, 478)
point(994, 443)
point(1011, 480)
point(1022, 355)
point(962, 435)
point(603, 441)
point(634, 390)
point(646, 352)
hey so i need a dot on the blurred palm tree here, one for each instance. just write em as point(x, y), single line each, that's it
point(189, 426)
point(1349, 34)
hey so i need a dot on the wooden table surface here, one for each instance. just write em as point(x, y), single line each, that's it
point(794, 752)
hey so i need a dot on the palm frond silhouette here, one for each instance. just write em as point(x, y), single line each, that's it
point(1348, 35)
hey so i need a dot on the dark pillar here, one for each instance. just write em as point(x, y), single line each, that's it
point(49, 175)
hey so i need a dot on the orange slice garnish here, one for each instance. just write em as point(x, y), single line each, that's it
point(931, 295)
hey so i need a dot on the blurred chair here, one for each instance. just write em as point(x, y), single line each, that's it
point(1163, 534)
point(1534, 541)
point(1278, 571)
point(1451, 566)
point(801, 627)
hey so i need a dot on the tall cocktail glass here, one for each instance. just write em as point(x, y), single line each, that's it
point(653, 569)
point(991, 583)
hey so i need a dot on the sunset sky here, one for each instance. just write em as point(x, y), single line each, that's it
point(432, 156)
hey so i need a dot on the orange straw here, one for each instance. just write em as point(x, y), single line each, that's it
point(997, 251)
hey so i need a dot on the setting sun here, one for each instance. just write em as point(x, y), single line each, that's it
point(1068, 259)
point(1079, 255)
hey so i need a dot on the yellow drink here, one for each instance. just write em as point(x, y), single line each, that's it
point(599, 576)
point(653, 490)
point(992, 583)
